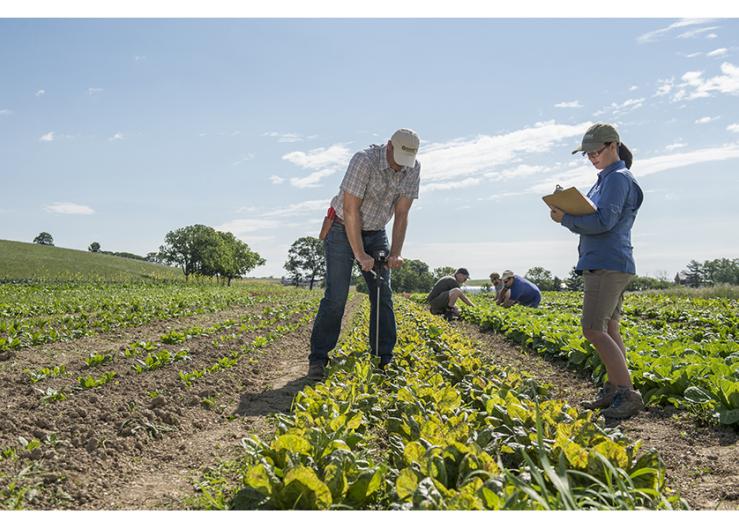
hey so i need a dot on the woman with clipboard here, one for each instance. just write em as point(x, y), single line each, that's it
point(607, 262)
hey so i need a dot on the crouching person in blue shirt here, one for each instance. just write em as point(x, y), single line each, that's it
point(518, 290)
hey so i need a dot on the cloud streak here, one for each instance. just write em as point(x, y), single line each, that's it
point(69, 208)
point(323, 162)
point(653, 36)
point(485, 154)
point(583, 176)
point(568, 104)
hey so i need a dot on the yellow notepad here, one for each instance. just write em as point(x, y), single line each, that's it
point(570, 201)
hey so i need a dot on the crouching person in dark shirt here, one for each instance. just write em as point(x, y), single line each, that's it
point(447, 290)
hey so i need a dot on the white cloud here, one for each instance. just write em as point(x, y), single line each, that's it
point(139, 58)
point(313, 179)
point(665, 87)
point(69, 208)
point(633, 88)
point(691, 55)
point(447, 186)
point(618, 109)
point(720, 52)
point(276, 179)
point(706, 119)
point(49, 136)
point(301, 208)
point(240, 227)
point(247, 157)
point(463, 158)
point(734, 127)
point(5, 112)
point(116, 137)
point(568, 104)
point(655, 35)
point(696, 32)
point(288, 137)
point(675, 146)
point(322, 161)
point(711, 36)
point(521, 171)
point(93, 91)
point(41, 92)
point(694, 86)
point(320, 158)
point(583, 176)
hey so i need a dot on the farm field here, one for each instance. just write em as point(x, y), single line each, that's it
point(683, 352)
point(171, 396)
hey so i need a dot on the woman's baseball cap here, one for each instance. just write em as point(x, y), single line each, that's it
point(596, 136)
point(506, 275)
point(405, 147)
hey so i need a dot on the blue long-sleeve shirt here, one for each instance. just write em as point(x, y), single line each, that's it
point(605, 236)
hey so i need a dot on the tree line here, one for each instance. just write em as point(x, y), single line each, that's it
point(198, 250)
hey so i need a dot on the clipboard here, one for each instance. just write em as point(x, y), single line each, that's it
point(570, 201)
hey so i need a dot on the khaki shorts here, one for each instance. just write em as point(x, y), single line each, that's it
point(604, 297)
point(440, 303)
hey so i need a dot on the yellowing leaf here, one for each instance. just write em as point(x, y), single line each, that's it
point(406, 484)
point(292, 443)
point(413, 452)
point(258, 479)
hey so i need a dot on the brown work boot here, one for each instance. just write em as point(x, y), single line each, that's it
point(603, 399)
point(316, 370)
point(626, 403)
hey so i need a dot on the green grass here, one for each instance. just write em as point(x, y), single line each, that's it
point(25, 261)
point(722, 290)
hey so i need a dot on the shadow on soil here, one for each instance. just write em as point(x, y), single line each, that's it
point(276, 400)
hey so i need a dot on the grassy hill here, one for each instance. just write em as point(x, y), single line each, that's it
point(21, 260)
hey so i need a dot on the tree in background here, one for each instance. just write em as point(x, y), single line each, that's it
point(722, 271)
point(694, 275)
point(94, 247)
point(443, 271)
point(153, 257)
point(188, 247)
point(306, 259)
point(413, 276)
point(200, 249)
point(233, 257)
point(541, 278)
point(44, 238)
point(574, 281)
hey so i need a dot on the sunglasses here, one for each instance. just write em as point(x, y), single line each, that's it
point(593, 154)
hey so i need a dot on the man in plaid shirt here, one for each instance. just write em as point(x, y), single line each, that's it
point(380, 182)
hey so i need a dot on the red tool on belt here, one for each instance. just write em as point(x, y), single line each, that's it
point(328, 220)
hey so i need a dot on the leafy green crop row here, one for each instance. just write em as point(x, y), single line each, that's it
point(688, 357)
point(35, 314)
point(440, 430)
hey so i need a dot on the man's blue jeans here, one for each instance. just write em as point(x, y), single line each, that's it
point(339, 262)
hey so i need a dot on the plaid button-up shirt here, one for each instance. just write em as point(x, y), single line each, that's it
point(370, 177)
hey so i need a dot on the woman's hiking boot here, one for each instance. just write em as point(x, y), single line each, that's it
point(626, 403)
point(603, 399)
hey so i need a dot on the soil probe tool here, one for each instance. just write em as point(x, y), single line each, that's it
point(380, 261)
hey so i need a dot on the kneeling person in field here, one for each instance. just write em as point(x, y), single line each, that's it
point(446, 292)
point(518, 290)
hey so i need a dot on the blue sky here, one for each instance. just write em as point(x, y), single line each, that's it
point(118, 131)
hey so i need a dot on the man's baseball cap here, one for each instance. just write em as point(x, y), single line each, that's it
point(462, 271)
point(596, 136)
point(506, 275)
point(405, 147)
